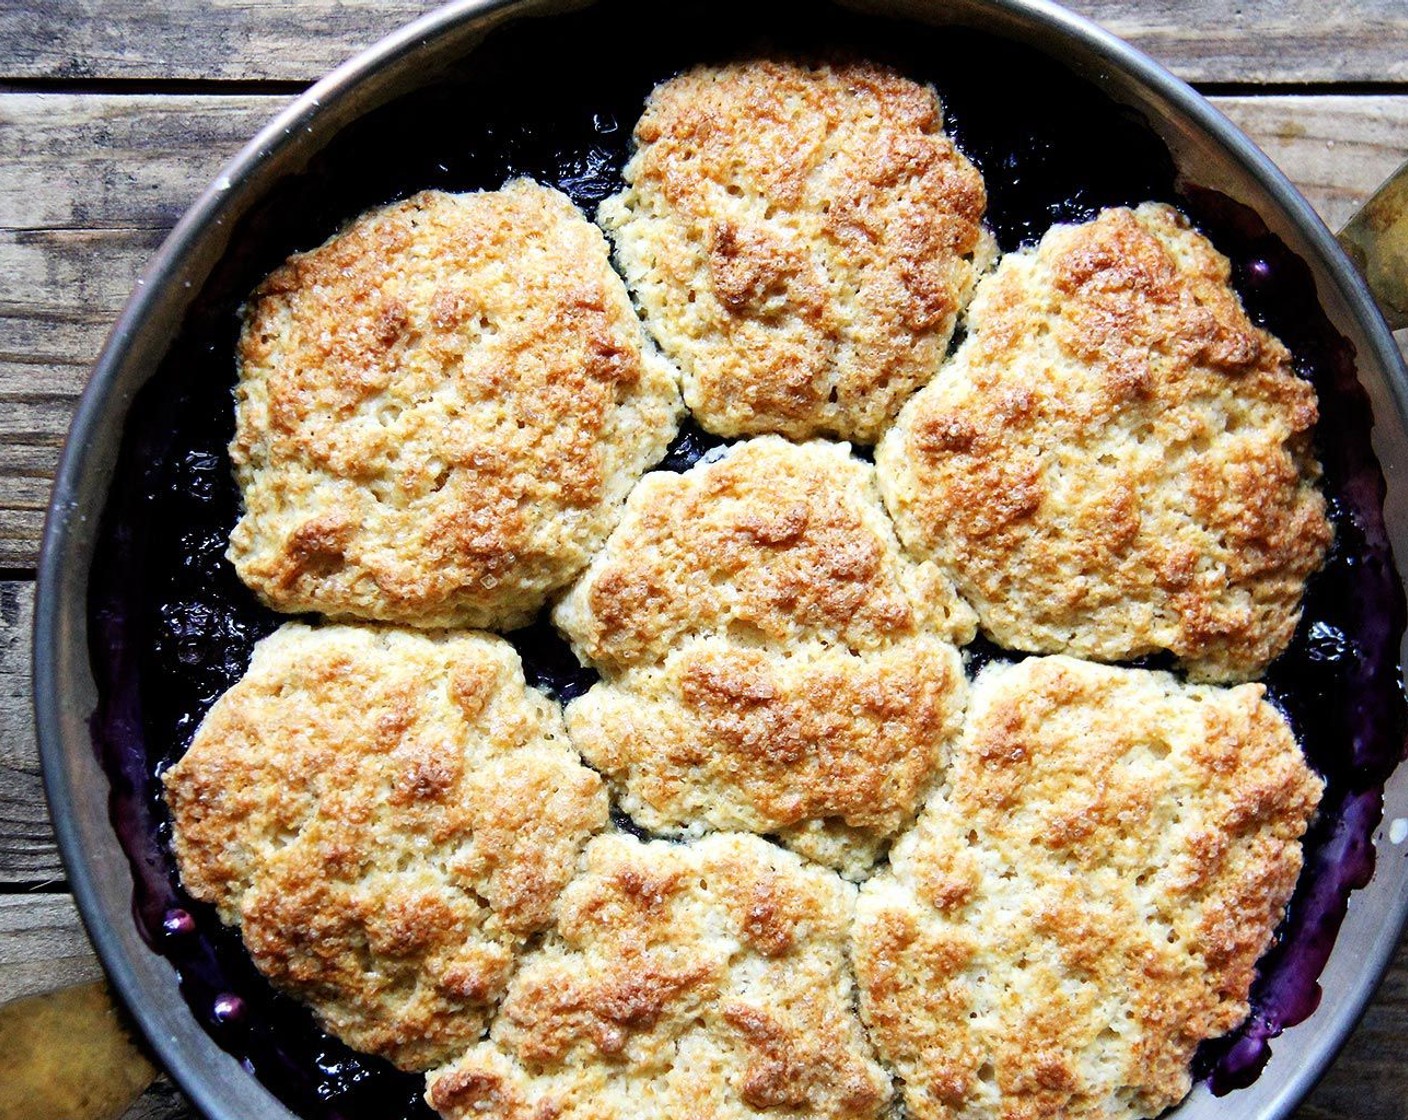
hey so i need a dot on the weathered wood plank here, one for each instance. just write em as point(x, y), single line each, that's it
point(27, 850)
point(112, 162)
point(64, 290)
point(163, 1101)
point(227, 39)
point(22, 503)
point(89, 186)
point(42, 945)
point(1265, 40)
point(1201, 40)
point(1337, 149)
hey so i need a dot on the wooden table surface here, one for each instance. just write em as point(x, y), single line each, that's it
point(115, 113)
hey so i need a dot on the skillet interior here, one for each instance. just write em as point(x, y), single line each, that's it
point(170, 626)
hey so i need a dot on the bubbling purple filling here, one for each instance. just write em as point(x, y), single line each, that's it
point(173, 627)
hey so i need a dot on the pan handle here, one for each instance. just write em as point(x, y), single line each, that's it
point(1376, 238)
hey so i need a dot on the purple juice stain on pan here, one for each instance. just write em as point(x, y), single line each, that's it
point(172, 627)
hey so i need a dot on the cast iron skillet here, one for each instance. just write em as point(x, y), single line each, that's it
point(1206, 150)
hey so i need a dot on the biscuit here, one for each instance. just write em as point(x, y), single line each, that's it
point(1117, 461)
point(771, 662)
point(831, 751)
point(681, 983)
point(1086, 900)
point(440, 412)
point(387, 816)
point(801, 240)
point(770, 545)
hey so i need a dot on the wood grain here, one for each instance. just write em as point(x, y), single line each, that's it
point(28, 854)
point(225, 39)
point(120, 169)
point(1263, 41)
point(65, 288)
point(163, 1101)
point(89, 186)
point(97, 161)
point(1255, 41)
point(42, 945)
point(1336, 148)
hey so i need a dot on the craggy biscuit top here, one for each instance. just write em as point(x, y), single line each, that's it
point(830, 750)
point(440, 412)
point(1087, 899)
point(1117, 461)
point(387, 816)
point(771, 662)
point(801, 239)
point(770, 545)
point(698, 982)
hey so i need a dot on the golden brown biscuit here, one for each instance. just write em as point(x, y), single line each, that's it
point(1086, 900)
point(801, 239)
point(1116, 461)
point(440, 412)
point(699, 982)
point(770, 544)
point(832, 751)
point(772, 663)
point(387, 816)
